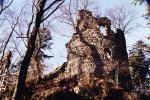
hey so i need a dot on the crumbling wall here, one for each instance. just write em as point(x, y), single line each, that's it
point(89, 51)
point(94, 61)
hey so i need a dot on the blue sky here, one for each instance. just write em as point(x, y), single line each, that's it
point(59, 49)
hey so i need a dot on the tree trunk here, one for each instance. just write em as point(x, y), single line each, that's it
point(19, 94)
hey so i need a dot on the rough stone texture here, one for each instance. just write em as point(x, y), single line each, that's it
point(92, 54)
point(96, 64)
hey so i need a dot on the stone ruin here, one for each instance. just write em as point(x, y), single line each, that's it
point(96, 64)
point(92, 54)
point(4, 72)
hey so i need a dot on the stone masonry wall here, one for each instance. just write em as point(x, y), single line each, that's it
point(91, 52)
point(96, 62)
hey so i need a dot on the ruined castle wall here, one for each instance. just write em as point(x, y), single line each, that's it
point(94, 60)
point(88, 49)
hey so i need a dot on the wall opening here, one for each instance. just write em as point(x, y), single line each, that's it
point(107, 53)
point(103, 30)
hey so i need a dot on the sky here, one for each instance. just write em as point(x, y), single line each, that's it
point(59, 41)
point(59, 50)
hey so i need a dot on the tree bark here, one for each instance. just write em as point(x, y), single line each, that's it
point(20, 91)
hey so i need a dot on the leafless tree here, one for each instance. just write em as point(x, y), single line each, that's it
point(5, 4)
point(69, 12)
point(14, 23)
point(43, 10)
point(121, 17)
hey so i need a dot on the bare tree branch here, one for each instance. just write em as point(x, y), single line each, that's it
point(13, 28)
point(53, 10)
point(2, 9)
point(52, 4)
point(121, 18)
point(20, 89)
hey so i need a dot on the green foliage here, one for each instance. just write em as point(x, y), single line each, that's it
point(139, 60)
point(147, 15)
point(142, 1)
point(43, 43)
